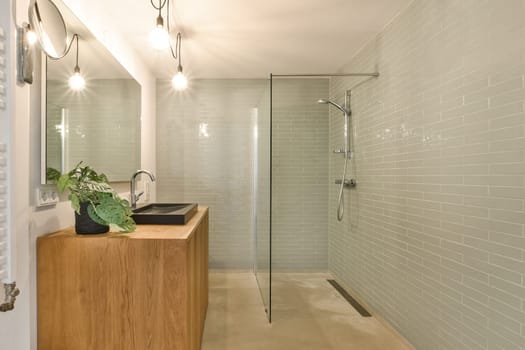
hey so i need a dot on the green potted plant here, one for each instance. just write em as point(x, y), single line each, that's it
point(95, 202)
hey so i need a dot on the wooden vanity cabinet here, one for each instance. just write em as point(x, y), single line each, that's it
point(138, 291)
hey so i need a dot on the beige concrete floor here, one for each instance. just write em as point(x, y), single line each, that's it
point(308, 314)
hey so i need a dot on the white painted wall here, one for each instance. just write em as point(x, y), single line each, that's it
point(18, 328)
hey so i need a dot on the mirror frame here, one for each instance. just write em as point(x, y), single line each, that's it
point(36, 25)
point(43, 120)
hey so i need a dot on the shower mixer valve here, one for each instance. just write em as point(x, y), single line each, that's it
point(347, 182)
point(348, 154)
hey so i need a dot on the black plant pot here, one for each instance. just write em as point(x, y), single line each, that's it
point(84, 225)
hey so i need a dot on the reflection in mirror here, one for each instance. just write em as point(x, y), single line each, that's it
point(48, 24)
point(99, 125)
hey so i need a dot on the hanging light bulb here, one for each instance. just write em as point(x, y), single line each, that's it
point(160, 39)
point(31, 37)
point(179, 81)
point(76, 81)
point(159, 36)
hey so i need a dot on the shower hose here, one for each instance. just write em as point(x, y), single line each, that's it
point(341, 205)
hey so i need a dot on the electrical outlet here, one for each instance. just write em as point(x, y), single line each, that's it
point(46, 196)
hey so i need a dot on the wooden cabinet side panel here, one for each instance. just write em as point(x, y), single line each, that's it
point(197, 262)
point(205, 268)
point(201, 279)
point(190, 297)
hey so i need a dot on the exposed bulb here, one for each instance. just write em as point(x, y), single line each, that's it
point(179, 81)
point(159, 37)
point(31, 37)
point(76, 81)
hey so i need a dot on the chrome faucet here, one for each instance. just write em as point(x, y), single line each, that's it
point(135, 197)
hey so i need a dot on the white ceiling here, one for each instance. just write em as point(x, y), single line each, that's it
point(252, 38)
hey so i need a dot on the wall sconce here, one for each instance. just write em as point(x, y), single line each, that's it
point(24, 54)
point(46, 26)
point(49, 29)
point(160, 39)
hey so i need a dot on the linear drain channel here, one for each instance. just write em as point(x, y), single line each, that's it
point(349, 298)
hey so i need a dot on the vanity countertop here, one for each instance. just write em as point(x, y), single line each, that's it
point(177, 232)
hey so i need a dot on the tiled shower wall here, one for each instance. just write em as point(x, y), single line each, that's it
point(434, 240)
point(299, 174)
point(205, 155)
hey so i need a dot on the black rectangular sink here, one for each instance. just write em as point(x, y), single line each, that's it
point(164, 213)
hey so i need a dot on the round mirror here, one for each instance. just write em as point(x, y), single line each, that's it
point(50, 28)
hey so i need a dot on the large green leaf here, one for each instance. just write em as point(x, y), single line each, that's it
point(94, 216)
point(64, 182)
point(128, 225)
point(75, 202)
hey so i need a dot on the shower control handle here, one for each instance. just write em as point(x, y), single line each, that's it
point(348, 183)
point(348, 154)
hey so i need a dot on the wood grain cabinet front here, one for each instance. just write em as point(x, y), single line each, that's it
point(139, 291)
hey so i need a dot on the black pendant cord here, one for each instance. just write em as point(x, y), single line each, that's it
point(161, 5)
point(77, 68)
point(176, 54)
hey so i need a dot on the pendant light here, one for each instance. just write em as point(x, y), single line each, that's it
point(159, 36)
point(160, 39)
point(179, 80)
point(76, 81)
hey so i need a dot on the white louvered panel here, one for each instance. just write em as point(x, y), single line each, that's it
point(4, 240)
point(2, 70)
point(3, 214)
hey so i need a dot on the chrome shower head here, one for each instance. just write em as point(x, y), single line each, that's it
point(338, 106)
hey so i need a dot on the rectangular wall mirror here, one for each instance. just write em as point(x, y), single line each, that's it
point(98, 125)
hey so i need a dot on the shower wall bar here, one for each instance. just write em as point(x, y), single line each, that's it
point(326, 75)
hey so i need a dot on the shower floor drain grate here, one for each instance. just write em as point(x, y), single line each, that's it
point(358, 307)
